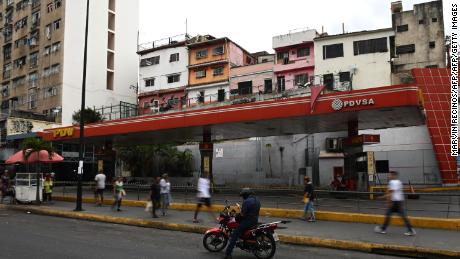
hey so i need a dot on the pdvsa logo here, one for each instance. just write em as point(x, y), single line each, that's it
point(337, 104)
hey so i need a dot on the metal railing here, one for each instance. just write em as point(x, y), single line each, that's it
point(439, 205)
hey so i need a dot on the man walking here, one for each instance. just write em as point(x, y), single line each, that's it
point(203, 196)
point(308, 198)
point(395, 198)
point(155, 196)
point(100, 187)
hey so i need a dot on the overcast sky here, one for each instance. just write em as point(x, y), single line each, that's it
point(253, 23)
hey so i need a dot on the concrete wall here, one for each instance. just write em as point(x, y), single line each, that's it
point(126, 60)
point(161, 71)
point(370, 70)
point(293, 38)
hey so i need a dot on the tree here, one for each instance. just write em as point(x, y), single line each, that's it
point(90, 116)
point(35, 145)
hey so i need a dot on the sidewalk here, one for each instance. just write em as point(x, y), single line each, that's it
point(350, 236)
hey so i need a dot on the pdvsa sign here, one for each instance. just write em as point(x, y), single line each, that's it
point(338, 104)
point(65, 132)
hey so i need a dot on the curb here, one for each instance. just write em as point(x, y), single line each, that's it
point(374, 248)
point(419, 222)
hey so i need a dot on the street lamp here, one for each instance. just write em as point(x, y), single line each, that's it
point(82, 112)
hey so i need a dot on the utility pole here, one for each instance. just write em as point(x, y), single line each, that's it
point(82, 122)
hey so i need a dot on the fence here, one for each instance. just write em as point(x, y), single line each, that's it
point(440, 205)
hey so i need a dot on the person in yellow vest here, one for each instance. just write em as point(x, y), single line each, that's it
point(48, 188)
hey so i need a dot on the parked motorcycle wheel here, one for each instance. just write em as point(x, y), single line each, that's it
point(266, 246)
point(215, 242)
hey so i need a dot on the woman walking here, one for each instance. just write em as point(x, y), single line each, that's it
point(48, 188)
point(165, 189)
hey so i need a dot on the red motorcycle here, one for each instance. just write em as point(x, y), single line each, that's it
point(259, 240)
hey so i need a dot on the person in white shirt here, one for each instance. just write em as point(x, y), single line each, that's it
point(165, 188)
point(395, 199)
point(203, 196)
point(100, 187)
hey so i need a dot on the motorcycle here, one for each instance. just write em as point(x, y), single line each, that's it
point(259, 240)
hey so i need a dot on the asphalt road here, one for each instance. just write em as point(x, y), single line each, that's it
point(32, 236)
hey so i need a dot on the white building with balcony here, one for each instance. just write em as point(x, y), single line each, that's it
point(354, 60)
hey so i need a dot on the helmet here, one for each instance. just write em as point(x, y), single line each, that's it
point(245, 192)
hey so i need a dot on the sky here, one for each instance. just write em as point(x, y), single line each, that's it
point(253, 23)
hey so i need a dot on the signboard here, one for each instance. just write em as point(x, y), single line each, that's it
point(206, 168)
point(17, 126)
point(70, 154)
point(219, 152)
point(339, 104)
point(359, 140)
point(370, 164)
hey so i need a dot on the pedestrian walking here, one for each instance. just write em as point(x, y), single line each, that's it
point(155, 196)
point(4, 184)
point(100, 187)
point(118, 193)
point(308, 199)
point(48, 189)
point(203, 196)
point(395, 199)
point(165, 189)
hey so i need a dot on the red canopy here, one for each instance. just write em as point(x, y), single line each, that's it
point(35, 157)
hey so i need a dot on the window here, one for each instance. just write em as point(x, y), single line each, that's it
point(421, 21)
point(173, 78)
point(402, 28)
point(333, 51)
point(48, 31)
point(281, 84)
point(149, 81)
point(328, 81)
point(201, 54)
point(47, 50)
point(201, 97)
point(303, 52)
point(432, 44)
point(55, 47)
point(221, 95)
point(33, 79)
point(150, 61)
point(49, 91)
point(20, 62)
point(344, 77)
point(21, 42)
point(32, 99)
point(283, 57)
point(268, 86)
point(217, 71)
point(33, 40)
point(5, 90)
point(300, 79)
point(7, 71)
point(20, 24)
point(18, 81)
point(370, 46)
point(434, 19)
point(174, 57)
point(49, 71)
point(404, 49)
point(218, 50)
point(7, 52)
point(57, 4)
point(432, 66)
point(50, 7)
point(56, 25)
point(200, 74)
point(21, 5)
point(245, 88)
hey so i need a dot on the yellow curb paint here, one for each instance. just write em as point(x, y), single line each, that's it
point(419, 222)
point(416, 252)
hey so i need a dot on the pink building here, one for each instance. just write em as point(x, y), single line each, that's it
point(294, 62)
point(252, 79)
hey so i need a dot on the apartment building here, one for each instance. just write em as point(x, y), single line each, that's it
point(42, 55)
point(419, 39)
point(294, 63)
point(355, 60)
point(163, 74)
point(252, 79)
point(210, 60)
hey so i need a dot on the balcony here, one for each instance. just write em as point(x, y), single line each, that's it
point(292, 65)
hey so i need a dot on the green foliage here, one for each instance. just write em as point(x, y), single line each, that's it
point(89, 116)
point(154, 160)
point(32, 145)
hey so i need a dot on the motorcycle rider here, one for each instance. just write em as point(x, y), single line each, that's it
point(249, 217)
